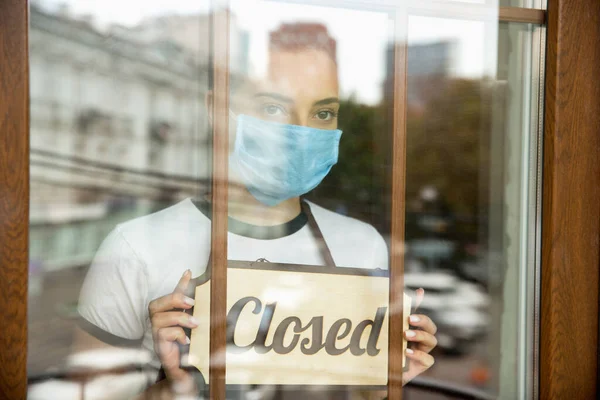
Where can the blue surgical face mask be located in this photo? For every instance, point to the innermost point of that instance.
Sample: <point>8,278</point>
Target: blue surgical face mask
<point>280,161</point>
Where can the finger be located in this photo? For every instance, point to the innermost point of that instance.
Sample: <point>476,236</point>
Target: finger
<point>424,360</point>
<point>169,358</point>
<point>425,341</point>
<point>173,318</point>
<point>183,282</point>
<point>423,322</point>
<point>420,295</point>
<point>173,334</point>
<point>170,302</point>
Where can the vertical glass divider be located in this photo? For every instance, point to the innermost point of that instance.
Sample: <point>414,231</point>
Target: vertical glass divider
<point>398,198</point>
<point>220,113</point>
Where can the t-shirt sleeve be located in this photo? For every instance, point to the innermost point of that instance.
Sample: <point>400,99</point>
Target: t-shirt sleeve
<point>113,299</point>
<point>380,251</point>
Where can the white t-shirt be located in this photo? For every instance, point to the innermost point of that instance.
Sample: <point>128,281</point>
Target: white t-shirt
<point>144,259</point>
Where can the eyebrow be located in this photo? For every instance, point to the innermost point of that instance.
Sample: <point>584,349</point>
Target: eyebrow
<point>277,96</point>
<point>286,99</point>
<point>328,100</point>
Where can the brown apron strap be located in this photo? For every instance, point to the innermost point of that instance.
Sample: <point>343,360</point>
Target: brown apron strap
<point>316,231</point>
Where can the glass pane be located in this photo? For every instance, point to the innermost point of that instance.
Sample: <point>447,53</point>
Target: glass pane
<point>122,115</point>
<point>471,198</point>
<point>118,131</point>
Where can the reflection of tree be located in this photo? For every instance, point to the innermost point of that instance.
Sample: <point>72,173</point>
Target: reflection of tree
<point>444,146</point>
<point>356,184</point>
<point>444,149</point>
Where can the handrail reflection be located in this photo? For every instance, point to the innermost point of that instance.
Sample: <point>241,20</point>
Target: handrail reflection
<point>448,389</point>
<point>85,374</point>
<point>429,385</point>
<point>113,167</point>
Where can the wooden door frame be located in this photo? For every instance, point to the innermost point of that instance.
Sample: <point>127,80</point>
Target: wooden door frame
<point>14,196</point>
<point>571,203</point>
<point>570,281</point>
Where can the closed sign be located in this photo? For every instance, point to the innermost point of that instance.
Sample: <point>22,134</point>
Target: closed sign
<point>299,325</point>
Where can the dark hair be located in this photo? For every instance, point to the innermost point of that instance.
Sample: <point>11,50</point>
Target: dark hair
<point>300,36</point>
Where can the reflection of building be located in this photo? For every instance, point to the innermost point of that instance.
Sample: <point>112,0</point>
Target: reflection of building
<point>428,65</point>
<point>184,30</point>
<point>430,59</point>
<point>111,101</point>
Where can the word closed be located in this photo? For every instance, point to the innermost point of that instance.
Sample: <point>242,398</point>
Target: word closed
<point>309,335</point>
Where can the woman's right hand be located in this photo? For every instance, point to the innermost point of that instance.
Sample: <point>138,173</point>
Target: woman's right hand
<point>168,321</point>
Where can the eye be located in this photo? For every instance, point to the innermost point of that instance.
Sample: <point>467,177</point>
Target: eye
<point>325,115</point>
<point>273,110</point>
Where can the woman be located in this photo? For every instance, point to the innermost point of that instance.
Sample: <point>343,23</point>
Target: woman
<point>284,140</point>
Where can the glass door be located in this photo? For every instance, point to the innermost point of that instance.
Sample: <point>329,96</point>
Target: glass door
<point>344,155</point>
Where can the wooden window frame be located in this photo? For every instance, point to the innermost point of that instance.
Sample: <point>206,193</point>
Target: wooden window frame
<point>14,196</point>
<point>571,203</point>
<point>570,265</point>
<point>218,267</point>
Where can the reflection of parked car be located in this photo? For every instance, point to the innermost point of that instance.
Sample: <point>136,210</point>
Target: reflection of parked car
<point>482,268</point>
<point>433,251</point>
<point>458,308</point>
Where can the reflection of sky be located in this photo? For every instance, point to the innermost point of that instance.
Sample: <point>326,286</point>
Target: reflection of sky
<point>361,35</point>
<point>361,52</point>
<point>129,12</point>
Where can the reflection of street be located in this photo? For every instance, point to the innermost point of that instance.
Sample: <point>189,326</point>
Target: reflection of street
<point>52,320</point>
<point>459,308</point>
<point>459,370</point>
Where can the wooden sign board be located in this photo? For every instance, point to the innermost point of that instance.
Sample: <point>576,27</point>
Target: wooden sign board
<point>299,325</point>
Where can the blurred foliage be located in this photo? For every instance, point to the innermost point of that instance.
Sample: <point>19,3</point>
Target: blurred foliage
<point>446,136</point>
<point>356,184</point>
<point>445,145</point>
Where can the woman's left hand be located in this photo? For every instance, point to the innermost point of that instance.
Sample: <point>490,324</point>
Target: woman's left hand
<point>423,341</point>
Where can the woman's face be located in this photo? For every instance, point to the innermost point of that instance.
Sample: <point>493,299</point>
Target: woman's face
<point>301,88</point>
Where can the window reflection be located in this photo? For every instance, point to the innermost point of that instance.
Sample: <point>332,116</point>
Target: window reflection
<point>115,117</point>
<point>120,129</point>
<point>449,74</point>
